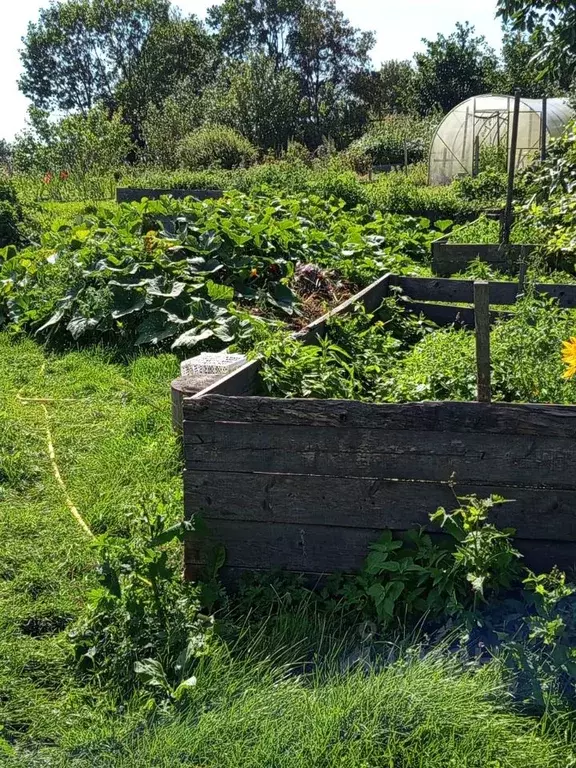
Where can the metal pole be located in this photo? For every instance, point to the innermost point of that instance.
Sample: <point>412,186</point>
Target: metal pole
<point>482,323</point>
<point>476,161</point>
<point>507,224</point>
<point>544,129</point>
<point>406,156</point>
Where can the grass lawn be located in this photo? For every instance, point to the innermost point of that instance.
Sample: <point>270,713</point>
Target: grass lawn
<point>280,693</point>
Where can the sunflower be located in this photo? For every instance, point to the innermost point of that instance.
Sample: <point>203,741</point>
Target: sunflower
<point>569,357</point>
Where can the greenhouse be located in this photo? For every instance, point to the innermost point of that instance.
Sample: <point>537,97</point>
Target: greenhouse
<point>482,125</point>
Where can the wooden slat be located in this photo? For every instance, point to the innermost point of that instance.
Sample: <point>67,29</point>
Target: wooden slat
<point>448,258</point>
<point>324,549</point>
<point>566,294</point>
<point>440,289</point>
<point>366,452</point>
<point>495,418</point>
<point>482,334</point>
<point>443,314</point>
<point>241,381</point>
<point>365,503</point>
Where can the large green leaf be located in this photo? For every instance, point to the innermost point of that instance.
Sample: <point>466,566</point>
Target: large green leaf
<point>79,325</point>
<point>192,337</point>
<point>219,292</point>
<point>161,286</point>
<point>155,328</point>
<point>126,301</point>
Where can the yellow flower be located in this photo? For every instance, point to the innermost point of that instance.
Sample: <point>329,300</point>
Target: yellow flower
<point>569,357</point>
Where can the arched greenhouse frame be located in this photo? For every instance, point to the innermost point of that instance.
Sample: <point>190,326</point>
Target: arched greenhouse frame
<point>483,122</point>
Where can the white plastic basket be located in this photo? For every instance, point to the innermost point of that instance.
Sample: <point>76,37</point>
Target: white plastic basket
<point>211,363</point>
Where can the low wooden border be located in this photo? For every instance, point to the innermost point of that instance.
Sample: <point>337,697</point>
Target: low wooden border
<point>136,194</point>
<point>306,485</point>
<point>450,258</point>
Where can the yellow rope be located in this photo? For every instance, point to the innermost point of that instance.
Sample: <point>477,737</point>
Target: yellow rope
<point>55,470</point>
<point>57,474</point>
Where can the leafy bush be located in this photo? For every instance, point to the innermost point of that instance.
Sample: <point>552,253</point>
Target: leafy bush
<point>11,215</point>
<point>142,609</point>
<point>384,143</point>
<point>82,145</point>
<point>488,187</point>
<point>216,146</point>
<point>397,192</point>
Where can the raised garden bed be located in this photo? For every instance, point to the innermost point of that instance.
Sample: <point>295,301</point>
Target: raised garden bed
<point>136,194</point>
<point>306,485</point>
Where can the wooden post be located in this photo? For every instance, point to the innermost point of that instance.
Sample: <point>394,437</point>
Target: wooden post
<point>507,225</point>
<point>482,323</point>
<point>522,272</point>
<point>544,129</point>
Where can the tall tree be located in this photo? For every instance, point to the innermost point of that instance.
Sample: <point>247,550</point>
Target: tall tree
<point>390,90</point>
<point>257,98</point>
<point>523,69</point>
<point>117,52</point>
<point>327,52</point>
<point>245,27</point>
<point>557,20</point>
<point>311,37</point>
<point>453,68</point>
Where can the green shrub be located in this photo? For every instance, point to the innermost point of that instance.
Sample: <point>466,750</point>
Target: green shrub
<point>296,152</point>
<point>384,144</point>
<point>397,192</point>
<point>11,215</point>
<point>216,146</point>
<point>488,186</point>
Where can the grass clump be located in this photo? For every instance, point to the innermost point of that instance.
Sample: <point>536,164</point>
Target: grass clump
<point>418,711</point>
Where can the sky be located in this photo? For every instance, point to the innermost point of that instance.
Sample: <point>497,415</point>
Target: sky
<point>399,25</point>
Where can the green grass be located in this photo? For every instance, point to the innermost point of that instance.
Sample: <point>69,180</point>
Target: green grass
<point>283,692</point>
<point>110,426</point>
<point>429,712</point>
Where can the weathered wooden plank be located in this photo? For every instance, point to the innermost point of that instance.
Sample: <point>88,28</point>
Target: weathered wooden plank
<point>365,452</point>
<point>443,314</point>
<point>448,258</point>
<point>440,289</point>
<point>241,381</point>
<point>187,386</point>
<point>325,549</point>
<point>494,418</point>
<point>366,503</point>
<point>566,294</point>
<point>135,194</point>
<point>370,297</point>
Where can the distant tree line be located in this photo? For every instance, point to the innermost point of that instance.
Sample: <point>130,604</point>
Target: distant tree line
<point>272,70</point>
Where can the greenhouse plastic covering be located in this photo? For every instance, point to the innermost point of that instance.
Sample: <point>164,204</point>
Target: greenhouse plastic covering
<point>486,121</point>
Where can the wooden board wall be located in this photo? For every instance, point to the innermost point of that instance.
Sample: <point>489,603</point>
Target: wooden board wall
<point>306,485</point>
<point>450,258</point>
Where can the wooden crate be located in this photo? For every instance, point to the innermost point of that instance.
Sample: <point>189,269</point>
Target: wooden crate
<point>306,485</point>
